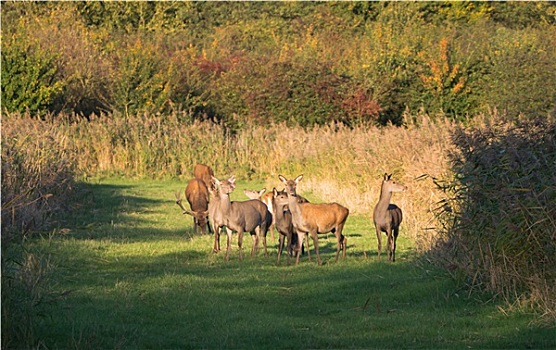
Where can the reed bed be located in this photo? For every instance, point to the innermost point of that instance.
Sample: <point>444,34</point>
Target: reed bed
<point>339,163</point>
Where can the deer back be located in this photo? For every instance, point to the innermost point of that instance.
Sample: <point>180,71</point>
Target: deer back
<point>197,195</point>
<point>247,215</point>
<point>323,216</point>
<point>205,173</point>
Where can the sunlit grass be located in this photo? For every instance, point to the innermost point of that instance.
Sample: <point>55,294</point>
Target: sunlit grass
<point>130,273</point>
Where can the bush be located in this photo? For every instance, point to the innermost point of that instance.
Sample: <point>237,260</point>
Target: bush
<point>500,215</point>
<point>29,77</point>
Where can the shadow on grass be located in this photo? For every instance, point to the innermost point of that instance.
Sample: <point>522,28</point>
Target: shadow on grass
<point>114,211</point>
<point>135,284</point>
<point>180,300</point>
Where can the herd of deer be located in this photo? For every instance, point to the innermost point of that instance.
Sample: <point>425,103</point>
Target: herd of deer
<point>293,216</point>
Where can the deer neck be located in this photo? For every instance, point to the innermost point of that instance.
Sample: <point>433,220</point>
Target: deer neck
<point>279,211</point>
<point>295,209</point>
<point>384,201</point>
<point>225,203</point>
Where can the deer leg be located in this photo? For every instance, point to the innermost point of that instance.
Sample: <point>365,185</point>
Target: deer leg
<point>229,243</point>
<point>263,237</point>
<point>280,247</point>
<point>289,247</point>
<point>396,231</point>
<point>306,238</point>
<point>255,238</point>
<point>389,245</point>
<point>271,228</point>
<point>239,243</point>
<point>300,236</point>
<point>316,243</point>
<point>342,241</point>
<point>379,239</point>
<point>210,230</point>
<point>216,247</point>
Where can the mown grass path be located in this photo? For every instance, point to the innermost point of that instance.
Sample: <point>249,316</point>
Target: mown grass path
<point>127,272</point>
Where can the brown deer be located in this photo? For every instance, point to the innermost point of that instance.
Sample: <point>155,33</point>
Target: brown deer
<point>197,195</point>
<point>205,173</point>
<point>388,217</point>
<point>284,223</point>
<point>311,218</point>
<point>250,216</point>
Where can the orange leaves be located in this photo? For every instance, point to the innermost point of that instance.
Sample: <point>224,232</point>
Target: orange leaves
<point>441,76</point>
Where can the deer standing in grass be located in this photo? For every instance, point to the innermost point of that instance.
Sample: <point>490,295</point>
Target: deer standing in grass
<point>311,218</point>
<point>284,223</point>
<point>267,200</point>
<point>197,195</point>
<point>250,216</point>
<point>388,217</point>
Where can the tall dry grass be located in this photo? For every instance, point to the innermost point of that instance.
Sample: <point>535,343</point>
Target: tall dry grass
<point>38,171</point>
<point>339,163</point>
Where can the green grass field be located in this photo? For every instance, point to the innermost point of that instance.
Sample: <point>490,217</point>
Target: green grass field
<point>126,271</point>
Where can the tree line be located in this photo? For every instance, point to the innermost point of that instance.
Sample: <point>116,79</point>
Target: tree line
<point>302,63</point>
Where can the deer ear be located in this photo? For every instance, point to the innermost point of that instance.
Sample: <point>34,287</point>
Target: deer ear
<point>385,177</point>
<point>274,191</point>
<point>283,179</point>
<point>262,191</point>
<point>215,180</point>
<point>297,179</point>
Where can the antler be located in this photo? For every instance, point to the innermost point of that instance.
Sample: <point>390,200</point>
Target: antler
<point>178,201</point>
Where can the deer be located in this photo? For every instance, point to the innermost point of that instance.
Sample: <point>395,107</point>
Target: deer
<point>216,216</point>
<point>283,222</point>
<point>314,219</point>
<point>267,200</point>
<point>205,173</point>
<point>249,216</point>
<point>387,217</point>
<point>197,195</point>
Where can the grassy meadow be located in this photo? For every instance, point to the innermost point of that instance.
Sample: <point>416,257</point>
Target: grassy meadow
<point>96,254</point>
<point>125,270</point>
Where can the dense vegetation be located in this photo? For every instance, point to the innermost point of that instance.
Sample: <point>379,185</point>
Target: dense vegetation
<point>146,90</point>
<point>299,62</point>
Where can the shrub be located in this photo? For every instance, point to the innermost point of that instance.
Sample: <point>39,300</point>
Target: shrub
<point>500,216</point>
<point>29,77</point>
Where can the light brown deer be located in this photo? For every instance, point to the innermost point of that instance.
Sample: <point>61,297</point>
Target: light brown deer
<point>249,216</point>
<point>216,217</point>
<point>205,173</point>
<point>388,217</point>
<point>197,195</point>
<point>311,218</point>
